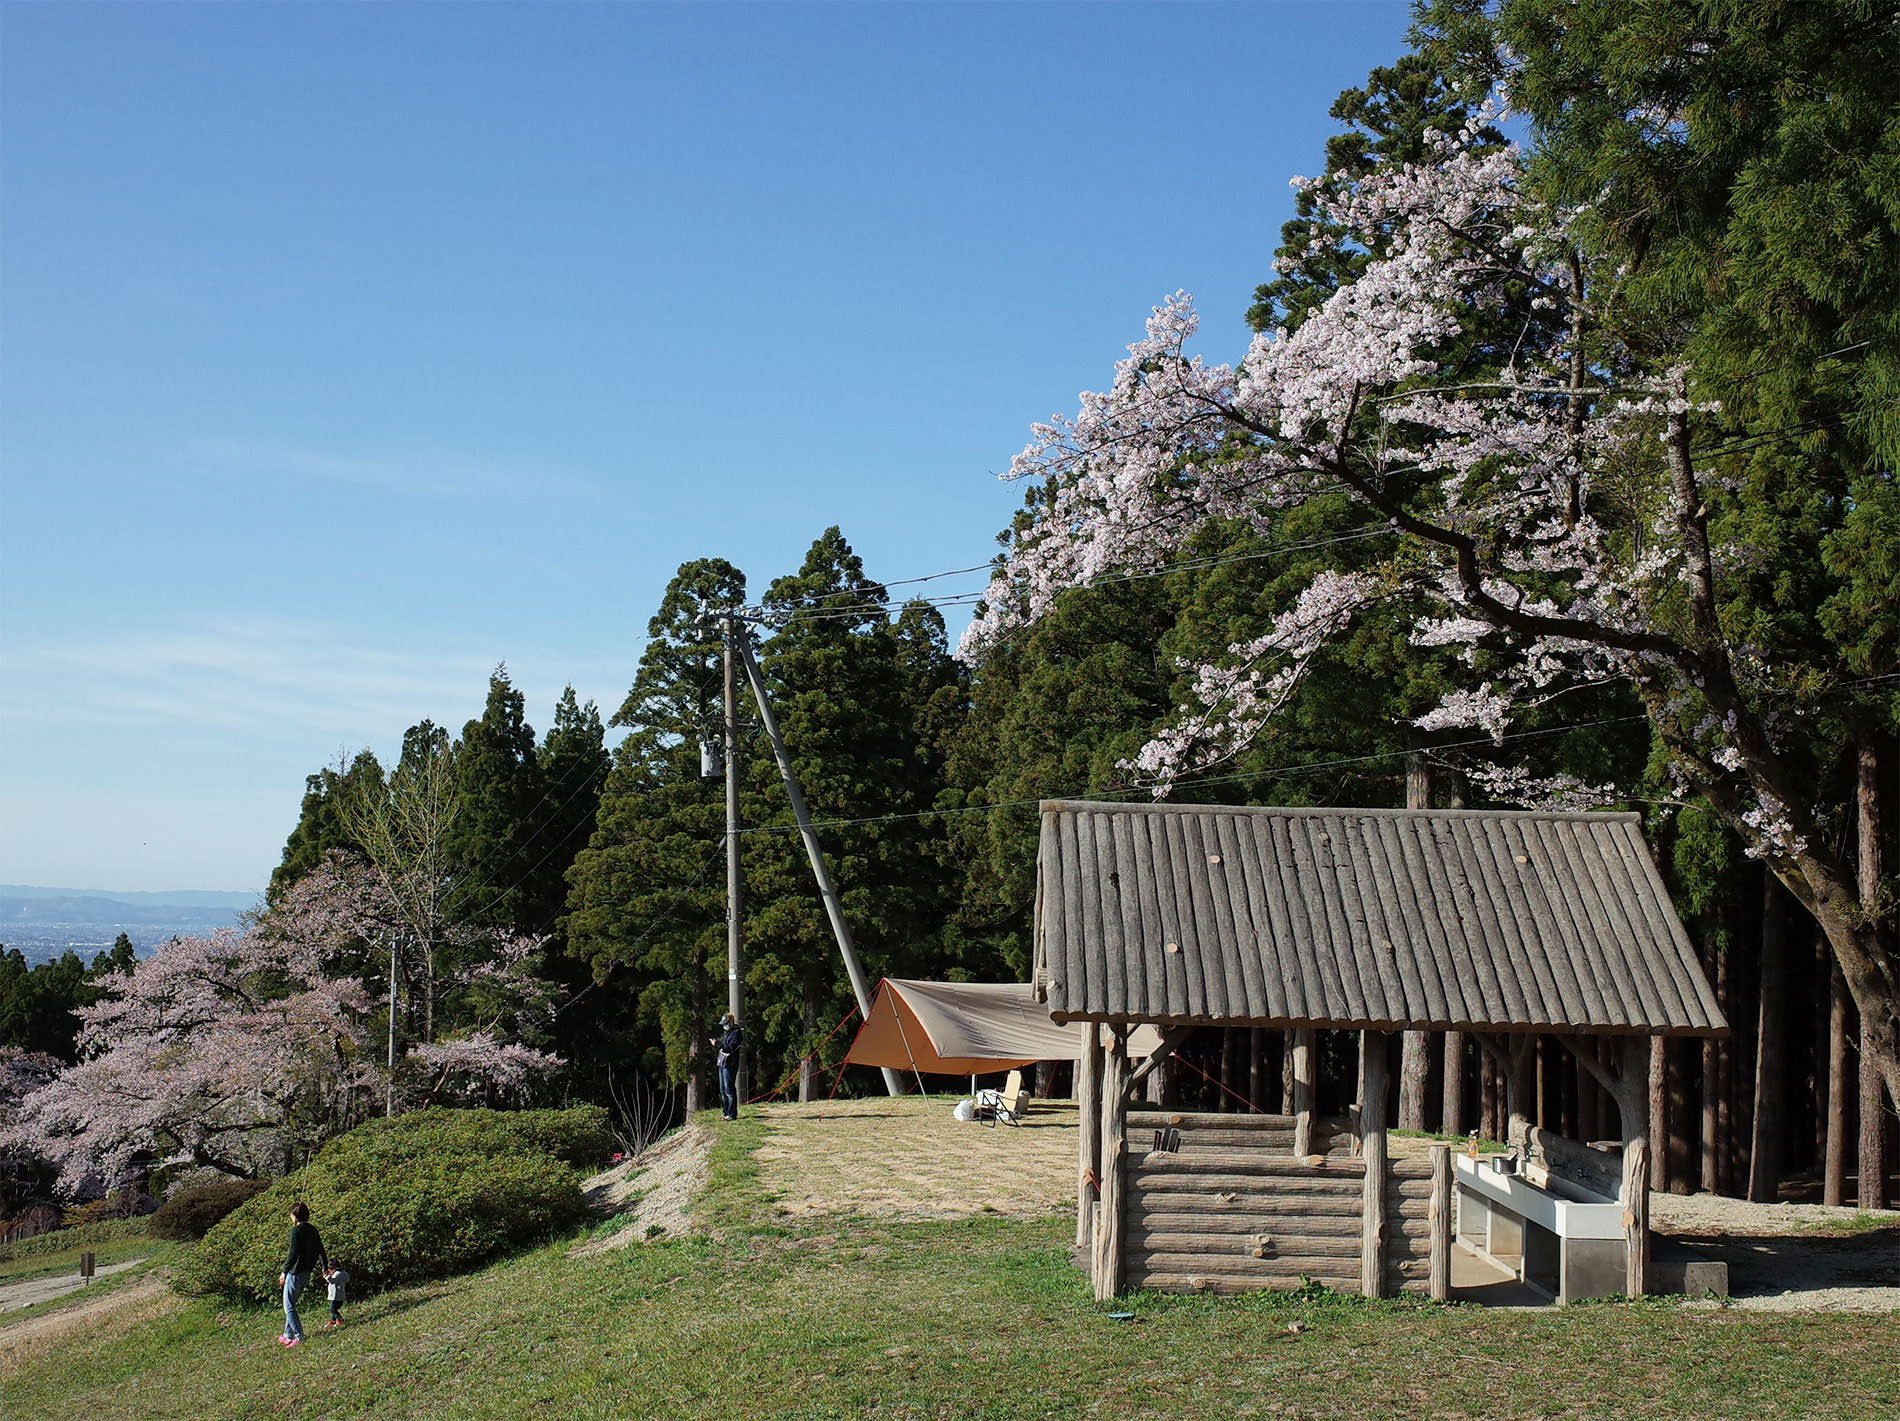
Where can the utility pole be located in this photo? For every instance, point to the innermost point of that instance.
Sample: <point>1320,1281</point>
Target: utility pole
<point>735,880</point>
<point>829,893</point>
<point>395,957</point>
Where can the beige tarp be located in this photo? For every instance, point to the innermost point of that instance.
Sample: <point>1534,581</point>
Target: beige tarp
<point>968,1028</point>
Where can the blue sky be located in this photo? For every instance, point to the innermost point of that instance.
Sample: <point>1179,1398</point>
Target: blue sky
<point>347,350</point>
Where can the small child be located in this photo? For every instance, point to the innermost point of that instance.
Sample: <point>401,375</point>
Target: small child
<point>338,1281</point>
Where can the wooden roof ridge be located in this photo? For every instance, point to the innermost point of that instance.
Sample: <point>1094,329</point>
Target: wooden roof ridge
<point>1347,917</point>
<point>1352,811</point>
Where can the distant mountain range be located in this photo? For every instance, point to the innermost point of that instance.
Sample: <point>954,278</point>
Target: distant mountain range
<point>44,922</point>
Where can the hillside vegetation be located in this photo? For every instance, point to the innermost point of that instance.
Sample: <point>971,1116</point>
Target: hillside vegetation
<point>810,1316</point>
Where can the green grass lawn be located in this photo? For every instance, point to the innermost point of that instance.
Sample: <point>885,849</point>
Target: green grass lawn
<point>66,1260</point>
<point>983,1318</point>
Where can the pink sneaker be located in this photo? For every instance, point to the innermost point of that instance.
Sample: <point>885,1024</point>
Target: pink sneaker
<point>283,1340</point>
<point>293,1341</point>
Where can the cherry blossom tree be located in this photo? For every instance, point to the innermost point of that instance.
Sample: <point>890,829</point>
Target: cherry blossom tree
<point>243,1051</point>
<point>1551,507</point>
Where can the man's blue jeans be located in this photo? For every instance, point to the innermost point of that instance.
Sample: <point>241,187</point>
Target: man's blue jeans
<point>293,1285</point>
<point>729,1090</point>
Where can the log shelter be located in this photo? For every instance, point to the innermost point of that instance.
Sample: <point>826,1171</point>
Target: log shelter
<point>1504,925</point>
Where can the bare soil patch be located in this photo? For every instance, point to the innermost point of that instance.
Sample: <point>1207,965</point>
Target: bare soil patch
<point>911,1159</point>
<point>654,1191</point>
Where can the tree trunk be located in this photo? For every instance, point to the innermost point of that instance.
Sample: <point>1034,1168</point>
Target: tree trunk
<point>1288,1043</point>
<point>1256,1042</point>
<point>1681,1169</point>
<point>808,1067</point>
<point>1834,1166</point>
<point>1725,1080</point>
<point>1764,1145</point>
<point>1872,1182</point>
<point>1451,1108</point>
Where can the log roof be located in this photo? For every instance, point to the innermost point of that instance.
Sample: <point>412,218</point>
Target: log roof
<point>1388,919</point>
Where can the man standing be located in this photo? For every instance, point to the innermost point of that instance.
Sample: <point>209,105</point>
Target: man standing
<point>727,1045</point>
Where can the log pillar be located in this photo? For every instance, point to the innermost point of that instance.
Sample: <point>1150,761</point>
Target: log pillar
<point>1302,1094</point>
<point>1106,1252</point>
<point>1372,1055</point>
<point>1088,1110</point>
<point>1440,1222</point>
<point>1633,1099</point>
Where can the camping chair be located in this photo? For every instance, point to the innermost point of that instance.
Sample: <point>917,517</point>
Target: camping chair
<point>1009,1104</point>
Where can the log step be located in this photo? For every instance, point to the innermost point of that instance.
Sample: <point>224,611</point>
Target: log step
<point>1202,1283</point>
<point>1344,1173</point>
<point>1277,1225</point>
<point>1238,1246</point>
<point>1211,1265</point>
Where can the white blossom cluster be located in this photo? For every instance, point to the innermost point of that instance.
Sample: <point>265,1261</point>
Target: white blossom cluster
<point>1498,482</point>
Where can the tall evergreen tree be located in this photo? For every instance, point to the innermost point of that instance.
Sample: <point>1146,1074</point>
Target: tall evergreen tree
<point>646,908</point>
<point>321,823</point>
<point>500,811</point>
<point>855,696</point>
<point>573,764</point>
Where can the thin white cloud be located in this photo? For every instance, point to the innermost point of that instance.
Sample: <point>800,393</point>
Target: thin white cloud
<point>422,474</point>
<point>268,678</point>
<point>236,675</point>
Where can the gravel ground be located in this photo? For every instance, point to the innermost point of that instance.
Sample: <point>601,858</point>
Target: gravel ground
<point>1790,1257</point>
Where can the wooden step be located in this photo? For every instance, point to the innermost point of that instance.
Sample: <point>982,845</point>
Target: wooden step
<point>1278,1225</point>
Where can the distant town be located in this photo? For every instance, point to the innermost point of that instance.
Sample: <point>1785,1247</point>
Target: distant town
<point>45,922</point>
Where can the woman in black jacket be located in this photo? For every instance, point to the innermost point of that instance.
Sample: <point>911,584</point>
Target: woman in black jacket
<point>305,1256</point>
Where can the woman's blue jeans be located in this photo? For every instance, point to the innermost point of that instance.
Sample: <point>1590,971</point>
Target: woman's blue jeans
<point>293,1285</point>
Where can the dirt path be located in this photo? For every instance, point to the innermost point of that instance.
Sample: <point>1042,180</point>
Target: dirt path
<point>40,1290</point>
<point>114,1310</point>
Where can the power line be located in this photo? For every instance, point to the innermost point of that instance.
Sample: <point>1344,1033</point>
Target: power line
<point>1280,773</point>
<point>867,608</point>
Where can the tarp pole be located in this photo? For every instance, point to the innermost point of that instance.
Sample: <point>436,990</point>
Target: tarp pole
<point>893,1083</point>
<point>897,1013</point>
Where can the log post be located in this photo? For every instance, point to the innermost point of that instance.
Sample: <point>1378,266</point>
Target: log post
<point>1088,1110</point>
<point>1636,1216</point>
<point>1440,1220</point>
<point>1372,1054</point>
<point>1633,1099</point>
<point>1657,1081</point>
<point>1107,1271</point>
<point>1302,1101</point>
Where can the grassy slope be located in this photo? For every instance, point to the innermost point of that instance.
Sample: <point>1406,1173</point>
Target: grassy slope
<point>983,1318</point>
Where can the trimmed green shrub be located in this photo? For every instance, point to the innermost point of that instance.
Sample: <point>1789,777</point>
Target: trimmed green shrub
<point>85,1236</point>
<point>578,1135</point>
<point>190,1212</point>
<point>404,1200</point>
